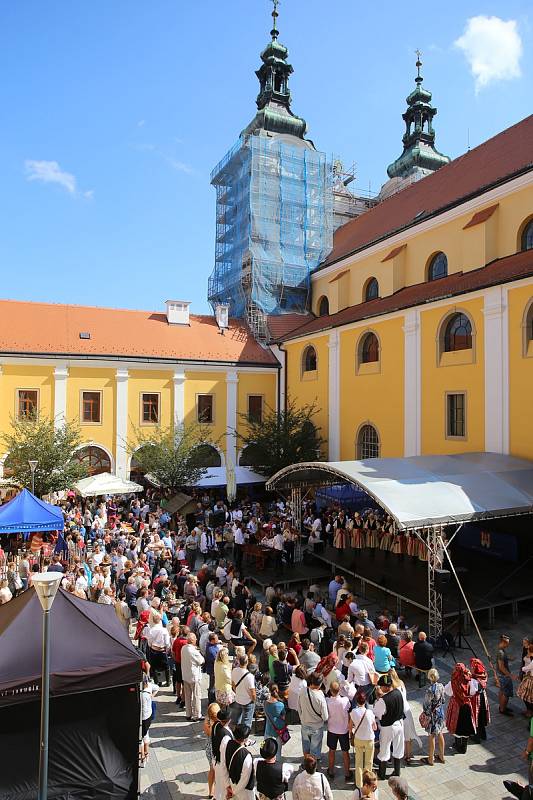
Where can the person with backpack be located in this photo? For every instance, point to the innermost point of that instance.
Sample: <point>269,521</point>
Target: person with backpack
<point>310,784</point>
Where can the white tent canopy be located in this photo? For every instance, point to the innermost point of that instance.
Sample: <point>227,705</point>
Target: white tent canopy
<point>427,490</point>
<point>217,476</point>
<point>105,483</point>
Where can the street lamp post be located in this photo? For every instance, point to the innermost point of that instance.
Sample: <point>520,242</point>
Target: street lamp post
<point>46,585</point>
<point>33,466</point>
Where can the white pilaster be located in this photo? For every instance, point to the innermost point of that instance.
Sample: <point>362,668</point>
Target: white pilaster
<point>179,398</point>
<point>495,321</point>
<point>60,395</point>
<point>281,355</point>
<point>121,452</point>
<point>412,384</point>
<point>232,381</point>
<point>334,439</point>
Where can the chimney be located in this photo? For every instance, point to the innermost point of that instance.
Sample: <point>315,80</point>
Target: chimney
<point>222,316</point>
<point>177,312</point>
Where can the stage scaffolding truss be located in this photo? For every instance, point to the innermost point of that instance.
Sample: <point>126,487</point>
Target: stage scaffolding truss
<point>430,496</point>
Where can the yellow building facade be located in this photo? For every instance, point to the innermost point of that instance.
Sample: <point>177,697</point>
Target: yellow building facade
<point>129,374</point>
<point>422,337</point>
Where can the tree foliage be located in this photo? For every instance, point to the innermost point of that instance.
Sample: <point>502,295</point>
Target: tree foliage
<point>171,454</point>
<point>282,438</point>
<point>52,447</point>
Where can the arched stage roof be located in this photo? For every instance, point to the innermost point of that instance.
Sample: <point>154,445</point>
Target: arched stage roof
<point>427,490</point>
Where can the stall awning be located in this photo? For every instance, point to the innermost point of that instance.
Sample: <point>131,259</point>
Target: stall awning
<point>105,483</point>
<point>427,490</point>
<point>216,476</point>
<point>25,513</point>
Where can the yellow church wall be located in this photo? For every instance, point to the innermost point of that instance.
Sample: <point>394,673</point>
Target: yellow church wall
<point>32,376</point>
<point>255,383</point>
<point>465,249</point>
<point>453,376</point>
<point>306,388</point>
<point>213,383</point>
<point>520,374</point>
<point>149,382</point>
<point>372,395</point>
<point>102,380</point>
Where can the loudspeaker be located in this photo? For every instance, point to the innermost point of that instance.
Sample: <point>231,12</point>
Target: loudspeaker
<point>443,579</point>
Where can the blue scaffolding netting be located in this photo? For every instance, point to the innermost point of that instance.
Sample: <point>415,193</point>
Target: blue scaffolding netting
<point>274,225</point>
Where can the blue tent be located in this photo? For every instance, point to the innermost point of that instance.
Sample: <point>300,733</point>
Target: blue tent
<point>26,513</point>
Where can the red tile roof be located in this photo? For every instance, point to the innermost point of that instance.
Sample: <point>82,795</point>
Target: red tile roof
<point>514,267</point>
<point>280,325</point>
<point>53,329</point>
<point>496,160</point>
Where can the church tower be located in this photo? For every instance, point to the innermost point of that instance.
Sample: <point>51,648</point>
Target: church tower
<point>274,207</point>
<point>420,156</point>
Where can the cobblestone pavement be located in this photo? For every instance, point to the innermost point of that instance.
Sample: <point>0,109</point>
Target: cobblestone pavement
<point>177,767</point>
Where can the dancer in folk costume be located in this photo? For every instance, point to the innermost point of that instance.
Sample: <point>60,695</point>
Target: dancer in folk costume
<point>340,536</point>
<point>371,531</point>
<point>525,690</point>
<point>398,541</point>
<point>480,700</point>
<point>460,719</point>
<point>356,533</point>
<point>422,551</point>
<point>387,536</point>
<point>412,544</point>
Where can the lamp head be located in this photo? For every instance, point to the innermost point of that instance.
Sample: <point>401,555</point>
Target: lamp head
<point>46,585</point>
<point>33,464</point>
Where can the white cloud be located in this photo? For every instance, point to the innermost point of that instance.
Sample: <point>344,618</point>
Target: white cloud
<point>493,48</point>
<point>50,172</point>
<point>180,166</point>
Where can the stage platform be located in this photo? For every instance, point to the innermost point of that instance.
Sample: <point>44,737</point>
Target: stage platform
<point>291,578</point>
<point>400,584</point>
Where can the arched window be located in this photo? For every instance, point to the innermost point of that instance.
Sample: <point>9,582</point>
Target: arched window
<point>527,327</point>
<point>527,236</point>
<point>309,359</point>
<point>323,307</point>
<point>251,456</point>
<point>371,289</point>
<point>438,267</point>
<point>205,455</point>
<point>369,349</point>
<point>458,333</point>
<point>367,442</point>
<point>94,459</point>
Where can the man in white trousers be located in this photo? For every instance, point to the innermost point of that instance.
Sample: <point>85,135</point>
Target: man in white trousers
<point>191,671</point>
<point>389,711</point>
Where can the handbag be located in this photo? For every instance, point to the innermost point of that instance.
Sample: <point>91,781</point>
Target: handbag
<point>283,733</point>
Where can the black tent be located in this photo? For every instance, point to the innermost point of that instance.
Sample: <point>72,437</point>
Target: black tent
<point>94,701</point>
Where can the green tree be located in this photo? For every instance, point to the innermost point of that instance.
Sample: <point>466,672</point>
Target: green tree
<point>52,447</point>
<point>174,456</point>
<point>281,438</point>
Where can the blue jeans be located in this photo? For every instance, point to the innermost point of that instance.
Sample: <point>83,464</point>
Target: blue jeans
<point>312,740</point>
<point>243,715</point>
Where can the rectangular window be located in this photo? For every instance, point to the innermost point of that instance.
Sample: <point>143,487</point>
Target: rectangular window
<point>205,408</point>
<point>255,408</point>
<point>27,403</point>
<point>149,409</point>
<point>91,407</point>
<point>456,415</point>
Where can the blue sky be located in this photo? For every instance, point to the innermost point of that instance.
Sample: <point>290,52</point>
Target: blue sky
<point>114,113</point>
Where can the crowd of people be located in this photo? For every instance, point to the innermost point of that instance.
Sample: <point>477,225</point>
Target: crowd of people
<point>314,659</point>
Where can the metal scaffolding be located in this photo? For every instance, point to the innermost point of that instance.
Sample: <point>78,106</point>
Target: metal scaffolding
<point>274,225</point>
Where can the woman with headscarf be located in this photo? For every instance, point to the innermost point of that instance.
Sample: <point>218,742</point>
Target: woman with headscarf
<point>460,719</point>
<point>480,700</point>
